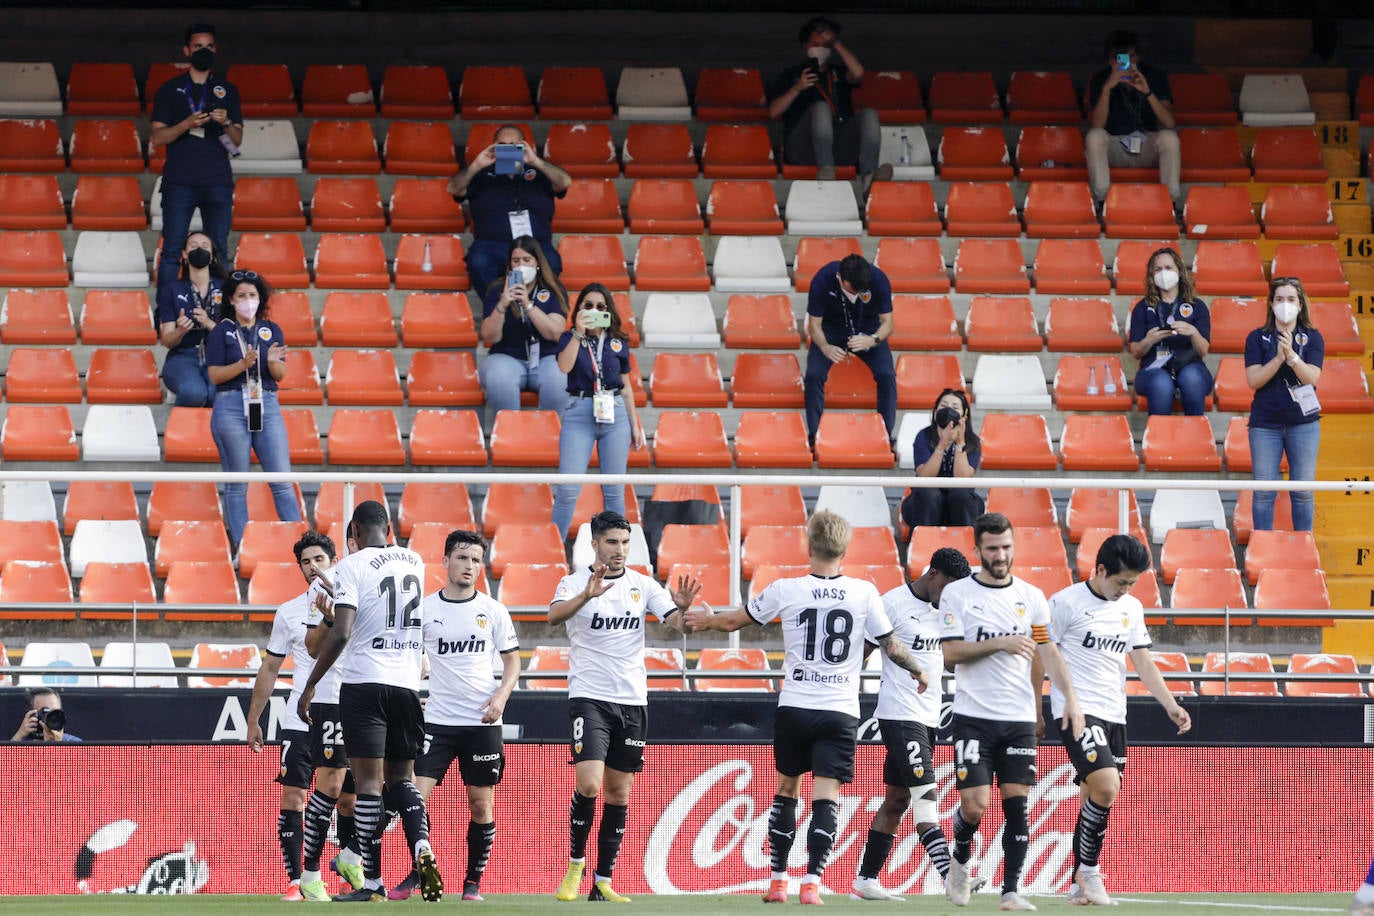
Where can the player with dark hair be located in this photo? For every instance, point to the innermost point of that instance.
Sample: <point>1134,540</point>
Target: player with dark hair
<point>995,635</point>
<point>1095,624</point>
<point>908,719</point>
<point>377,592</point>
<point>603,608</point>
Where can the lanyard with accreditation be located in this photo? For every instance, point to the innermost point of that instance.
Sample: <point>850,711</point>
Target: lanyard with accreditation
<point>603,401</point>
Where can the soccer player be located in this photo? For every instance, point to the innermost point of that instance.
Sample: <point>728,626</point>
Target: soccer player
<point>825,617</point>
<point>377,593</point>
<point>1363,902</point>
<point>316,749</point>
<point>908,719</point>
<point>1095,624</point>
<point>603,608</point>
<point>466,632</point>
<point>993,628</point>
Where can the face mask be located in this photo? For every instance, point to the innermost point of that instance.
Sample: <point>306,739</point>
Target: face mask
<point>1286,312</point>
<point>1166,279</point>
<point>819,54</point>
<point>247,309</point>
<point>198,258</point>
<point>524,274</point>
<point>203,59</point>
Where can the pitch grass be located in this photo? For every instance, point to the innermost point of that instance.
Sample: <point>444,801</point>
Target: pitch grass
<point>1131,904</point>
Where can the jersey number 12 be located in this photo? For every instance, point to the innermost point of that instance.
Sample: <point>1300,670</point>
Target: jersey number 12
<point>410,593</point>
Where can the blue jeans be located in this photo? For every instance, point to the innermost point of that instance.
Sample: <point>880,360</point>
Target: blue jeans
<point>1194,383</point>
<point>179,202</point>
<point>503,377</point>
<point>580,433</point>
<point>879,362</point>
<point>229,426</point>
<point>486,259</point>
<point>1267,448</point>
<point>818,139</point>
<point>186,378</point>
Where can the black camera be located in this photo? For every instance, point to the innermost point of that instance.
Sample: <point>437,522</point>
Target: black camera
<point>54,719</point>
<point>946,416</point>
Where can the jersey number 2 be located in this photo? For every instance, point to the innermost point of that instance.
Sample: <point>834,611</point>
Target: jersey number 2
<point>838,626</point>
<point>410,593</point>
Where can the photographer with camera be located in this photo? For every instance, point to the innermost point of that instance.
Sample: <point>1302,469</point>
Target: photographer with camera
<point>45,720</point>
<point>197,118</point>
<point>945,448</point>
<point>510,192</point>
<point>1131,112</point>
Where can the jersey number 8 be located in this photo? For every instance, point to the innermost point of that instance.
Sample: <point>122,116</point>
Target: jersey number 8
<point>838,627</point>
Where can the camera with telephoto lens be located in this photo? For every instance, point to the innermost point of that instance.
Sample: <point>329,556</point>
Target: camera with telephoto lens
<point>946,416</point>
<point>55,719</point>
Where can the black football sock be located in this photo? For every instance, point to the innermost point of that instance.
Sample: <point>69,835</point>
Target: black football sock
<point>346,830</point>
<point>782,831</point>
<point>1015,842</point>
<point>481,838</point>
<point>937,848</point>
<point>580,814</point>
<point>406,799</point>
<point>820,839</point>
<point>876,851</point>
<point>368,814</point>
<point>608,838</point>
<point>963,837</point>
<point>289,829</point>
<point>1092,828</point>
<point>318,812</point>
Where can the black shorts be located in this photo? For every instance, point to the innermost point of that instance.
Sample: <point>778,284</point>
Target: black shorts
<point>611,732</point>
<point>909,761</point>
<point>1103,745</point>
<point>984,748</point>
<point>296,770</point>
<point>381,721</point>
<point>816,741</point>
<point>477,748</point>
<point>327,736</point>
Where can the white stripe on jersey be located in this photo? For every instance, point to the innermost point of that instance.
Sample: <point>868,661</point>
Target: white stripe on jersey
<point>824,622</point>
<point>327,688</point>
<point>288,638</point>
<point>916,624</point>
<point>996,686</point>
<point>465,641</point>
<point>386,586</point>
<point>606,636</point>
<point>1094,635</point>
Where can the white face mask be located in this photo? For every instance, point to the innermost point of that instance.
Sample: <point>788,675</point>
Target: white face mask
<point>1166,279</point>
<point>819,54</point>
<point>247,309</point>
<point>1286,312</point>
<point>524,274</point>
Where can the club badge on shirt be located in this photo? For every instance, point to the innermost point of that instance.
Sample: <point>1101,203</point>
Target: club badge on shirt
<point>1020,609</point>
<point>541,296</point>
<point>616,346</point>
<point>264,334</point>
<point>1185,310</point>
<point>220,92</point>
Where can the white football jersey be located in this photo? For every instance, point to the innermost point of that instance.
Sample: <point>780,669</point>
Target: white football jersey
<point>1094,635</point>
<point>288,638</point>
<point>825,620</point>
<point>464,640</point>
<point>996,686</point>
<point>916,624</point>
<point>327,690</point>
<point>606,636</point>
<point>386,586</point>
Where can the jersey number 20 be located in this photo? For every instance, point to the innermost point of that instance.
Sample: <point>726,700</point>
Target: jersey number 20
<point>834,631</point>
<point>408,592</point>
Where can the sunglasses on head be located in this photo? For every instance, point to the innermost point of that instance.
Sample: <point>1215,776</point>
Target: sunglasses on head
<point>598,306</point>
<point>1286,281</point>
<point>239,275</point>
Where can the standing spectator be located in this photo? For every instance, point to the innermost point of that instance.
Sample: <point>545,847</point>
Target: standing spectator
<point>1283,363</point>
<point>595,356</point>
<point>187,308</point>
<point>247,417</point>
<point>813,101</point>
<point>506,207</point>
<point>197,118</point>
<point>849,312</point>
<point>1131,112</point>
<point>1170,334</point>
<point>945,448</point>
<point>522,318</point>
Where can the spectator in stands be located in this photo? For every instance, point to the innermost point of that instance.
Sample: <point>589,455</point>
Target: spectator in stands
<point>1283,363</point>
<point>246,358</point>
<point>1171,331</point>
<point>45,719</point>
<point>1131,113</point>
<point>522,317</point>
<point>506,207</point>
<point>187,308</point>
<point>849,313</point>
<point>595,356</point>
<point>813,101</point>
<point>945,448</point>
<point>197,118</point>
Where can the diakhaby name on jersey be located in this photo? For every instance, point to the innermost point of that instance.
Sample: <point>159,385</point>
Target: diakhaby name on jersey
<point>388,556</point>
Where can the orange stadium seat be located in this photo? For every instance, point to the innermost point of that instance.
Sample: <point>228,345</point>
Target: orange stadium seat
<point>593,259</point>
<point>1041,547</point>
<point>1229,269</point>
<point>924,323</point>
<point>990,266</point>
<point>1304,663</point>
<point>1300,211</point>
<point>105,146</point>
<point>302,436</point>
<point>545,659</point>
<point>416,92</point>
<point>1232,321</point>
<point>1292,590</point>
<point>1211,154</point>
<point>274,583</point>
<point>1318,264</point>
<point>278,256</point>
<point>514,542</point>
<point>744,660</point>
<point>1239,663</point>
<point>1049,579</point>
<point>738,151</point>
<point>161,72</point>
<point>1267,550</point>
<point>872,546</point>
<point>1098,443</point>
<point>117,583</point>
<point>1002,324</point>
<point>1139,211</point>
<point>337,91</point>
<point>437,320</point>
<point>1040,97</point>
<point>1146,591</point>
<point>730,94</point>
<point>182,501</point>
<point>515,503</point>
<point>31,145</point>
<point>921,378</point>
<point>1070,266</point>
<point>687,380</point>
<point>894,94</point>
<point>1243,518</point>
<point>1082,325</point>
<point>705,544</point>
<point>902,208</point>
<point>264,203</point>
<point>525,438</point>
<point>1224,213</point>
<point>37,316</point>
<point>771,440</point>
<point>357,320</point>
<point>189,541</point>
<point>347,205</point>
<point>770,505</point>
<point>447,269</point>
<point>446,438</point>
<point>912,265</point>
<point>329,502</point>
<point>262,505</point>
<point>850,385</point>
<point>32,541</point>
<point>265,90</point>
<point>659,151</point>
<point>483,134</point>
<point>102,89</point>
<point>772,545</point>
<point>1233,393</point>
<point>1167,662</point>
<point>974,154</point>
<point>107,202</point>
<point>434,502</point>
<point>1045,153</point>
<point>981,208</point>
<point>589,502</point>
<point>34,202</point>
<point>765,380</point>
<point>926,539</point>
<point>1016,442</point>
<point>1180,444</point>
<point>1336,321</point>
<point>424,205</point>
<point>1287,154</point>
<point>1060,209</point>
<point>1091,543</point>
<point>360,437</point>
<point>665,206</point>
<point>573,94</point>
<point>1344,388</point>
<point>46,376</point>
<point>1202,98</point>
<point>1072,378</point>
<point>583,150</point>
<point>102,500</point>
<point>187,437</point>
<point>813,253</point>
<point>659,658</point>
<point>264,541</point>
<point>669,263</point>
<point>531,585</point>
<point>111,316</point>
<point>591,205</point>
<point>351,261</point>
<point>1095,508</point>
<point>964,98</point>
<point>495,93</point>
<point>1207,548</point>
<point>1201,588</point>
<point>743,207</point>
<point>1128,265</point>
<point>1029,507</point>
<point>853,440</point>
<point>366,377</point>
<point>419,148</point>
<point>301,384</point>
<point>342,148</point>
<point>443,379</point>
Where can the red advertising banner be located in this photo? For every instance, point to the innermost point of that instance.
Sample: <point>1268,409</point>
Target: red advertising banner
<point>202,819</point>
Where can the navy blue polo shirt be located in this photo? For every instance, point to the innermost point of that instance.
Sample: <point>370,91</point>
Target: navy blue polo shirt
<point>615,363</point>
<point>492,197</point>
<point>833,88</point>
<point>198,161</point>
<point>923,449</point>
<point>222,348</point>
<point>516,332</point>
<point>178,297</point>
<point>1128,109</point>
<point>1273,407</point>
<point>1146,317</point>
<point>841,319</point>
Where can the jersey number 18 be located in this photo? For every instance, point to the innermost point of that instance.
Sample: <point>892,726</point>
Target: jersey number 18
<point>835,632</point>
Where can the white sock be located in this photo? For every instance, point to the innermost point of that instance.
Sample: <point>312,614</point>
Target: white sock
<point>811,879</point>
<point>1087,869</point>
<point>1365,894</point>
<point>374,884</point>
<point>349,857</point>
<point>308,876</point>
<point>779,876</point>
<point>423,846</point>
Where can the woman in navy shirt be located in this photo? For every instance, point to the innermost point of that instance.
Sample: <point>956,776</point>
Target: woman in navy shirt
<point>1283,363</point>
<point>245,355</point>
<point>948,449</point>
<point>1170,331</point>
<point>601,404</point>
<point>187,308</point>
<point>523,315</point>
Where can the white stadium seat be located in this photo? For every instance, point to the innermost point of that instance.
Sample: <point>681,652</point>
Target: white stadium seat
<point>652,94</point>
<point>27,501</point>
<point>29,90</point>
<point>155,211</point>
<point>147,654</point>
<point>1015,383</point>
<point>750,264</point>
<point>919,166</point>
<point>57,654</point>
<point>862,507</point>
<point>106,541</point>
<point>683,320</point>
<point>119,432</point>
<point>911,423</point>
<point>1275,100</point>
<point>1172,509</point>
<point>109,259</point>
<point>822,208</point>
<point>268,148</point>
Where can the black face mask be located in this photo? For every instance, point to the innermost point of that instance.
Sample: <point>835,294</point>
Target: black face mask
<point>203,59</point>
<point>198,258</point>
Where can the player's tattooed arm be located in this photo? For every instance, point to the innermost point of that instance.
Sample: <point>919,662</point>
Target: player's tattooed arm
<point>902,657</point>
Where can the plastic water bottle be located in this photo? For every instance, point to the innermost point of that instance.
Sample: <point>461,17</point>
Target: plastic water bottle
<point>427,265</point>
<point>905,158</point>
<point>1108,379</point>
<point>1092,380</point>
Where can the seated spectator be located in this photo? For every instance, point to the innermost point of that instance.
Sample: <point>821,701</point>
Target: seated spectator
<point>187,308</point>
<point>1170,333</point>
<point>523,315</point>
<point>1283,363</point>
<point>813,100</point>
<point>1131,113</point>
<point>945,448</point>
